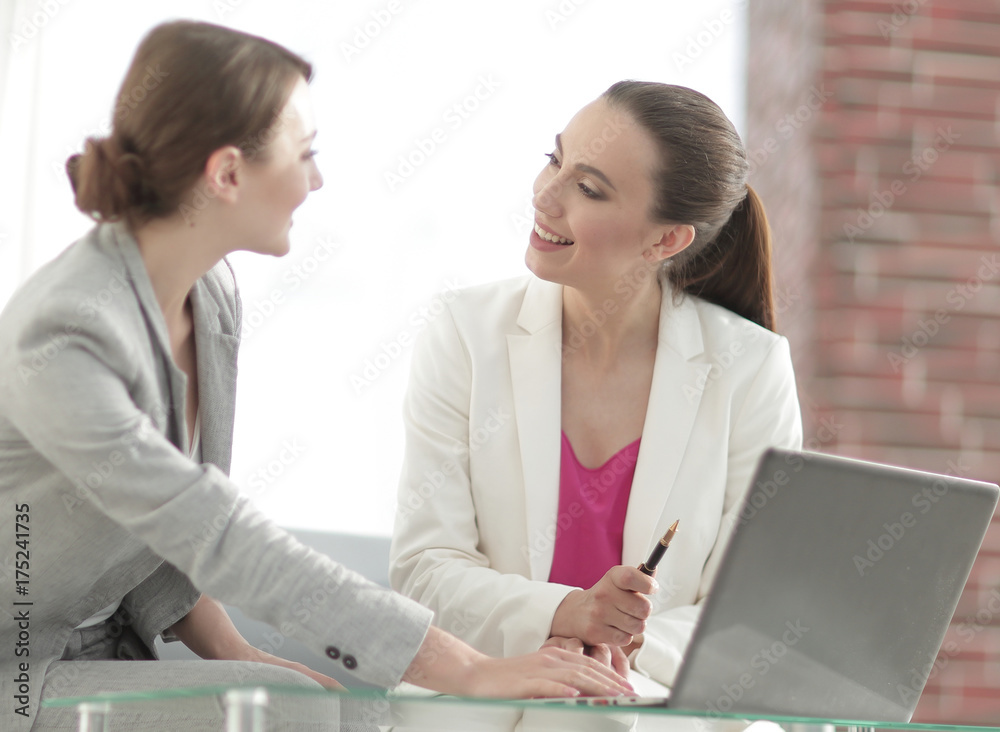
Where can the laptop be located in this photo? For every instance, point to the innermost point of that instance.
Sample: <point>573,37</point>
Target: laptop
<point>835,590</point>
<point>834,593</point>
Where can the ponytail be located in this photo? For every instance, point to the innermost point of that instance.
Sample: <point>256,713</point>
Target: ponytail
<point>701,181</point>
<point>734,270</point>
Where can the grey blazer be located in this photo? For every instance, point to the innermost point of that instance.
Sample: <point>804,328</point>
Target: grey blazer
<point>105,505</point>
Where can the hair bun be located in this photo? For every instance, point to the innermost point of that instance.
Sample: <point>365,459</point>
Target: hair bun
<point>130,168</point>
<point>107,181</point>
<point>73,169</point>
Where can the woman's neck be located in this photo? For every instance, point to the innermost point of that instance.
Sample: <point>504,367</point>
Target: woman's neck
<point>176,256</point>
<point>599,325</point>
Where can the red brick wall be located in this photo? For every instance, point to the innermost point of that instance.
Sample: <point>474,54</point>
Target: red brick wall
<point>904,308</point>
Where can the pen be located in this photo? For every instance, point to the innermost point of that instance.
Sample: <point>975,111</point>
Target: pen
<point>649,566</point>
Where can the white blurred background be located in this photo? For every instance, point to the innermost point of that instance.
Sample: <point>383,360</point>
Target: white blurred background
<point>319,438</point>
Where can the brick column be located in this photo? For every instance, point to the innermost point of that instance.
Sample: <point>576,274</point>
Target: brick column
<point>784,100</point>
<point>904,319</point>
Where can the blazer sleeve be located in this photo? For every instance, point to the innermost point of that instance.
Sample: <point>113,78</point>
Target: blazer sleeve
<point>769,416</point>
<point>435,556</point>
<point>77,413</point>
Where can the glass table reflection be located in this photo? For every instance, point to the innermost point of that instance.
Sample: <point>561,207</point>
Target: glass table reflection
<point>251,709</point>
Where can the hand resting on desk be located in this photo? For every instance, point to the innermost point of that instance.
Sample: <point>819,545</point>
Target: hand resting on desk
<point>611,656</point>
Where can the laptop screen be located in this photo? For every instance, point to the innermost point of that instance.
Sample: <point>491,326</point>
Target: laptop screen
<point>835,590</point>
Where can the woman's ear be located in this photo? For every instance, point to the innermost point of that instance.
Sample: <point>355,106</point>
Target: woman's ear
<point>674,239</point>
<point>223,173</point>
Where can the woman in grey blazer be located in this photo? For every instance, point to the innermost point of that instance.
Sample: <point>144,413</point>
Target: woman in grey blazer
<point>117,387</point>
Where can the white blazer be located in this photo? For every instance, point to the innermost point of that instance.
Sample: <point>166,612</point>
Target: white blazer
<point>479,493</point>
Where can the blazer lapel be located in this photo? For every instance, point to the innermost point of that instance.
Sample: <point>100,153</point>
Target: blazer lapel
<point>536,378</point>
<point>216,353</point>
<point>172,420</point>
<point>673,404</point>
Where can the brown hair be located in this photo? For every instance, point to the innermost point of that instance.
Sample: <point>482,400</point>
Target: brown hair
<point>701,181</point>
<point>191,89</point>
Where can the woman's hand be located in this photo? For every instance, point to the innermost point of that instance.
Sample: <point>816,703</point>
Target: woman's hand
<point>446,664</point>
<point>549,671</point>
<point>259,656</point>
<point>611,612</point>
<point>209,631</point>
<point>611,656</point>
<point>635,645</point>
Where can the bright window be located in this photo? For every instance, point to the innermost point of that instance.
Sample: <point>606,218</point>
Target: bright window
<point>433,116</point>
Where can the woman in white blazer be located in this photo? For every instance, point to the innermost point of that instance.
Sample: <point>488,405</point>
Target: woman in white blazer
<point>648,317</point>
<point>117,393</point>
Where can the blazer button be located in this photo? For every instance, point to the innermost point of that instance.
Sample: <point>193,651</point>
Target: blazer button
<point>350,662</point>
<point>333,652</point>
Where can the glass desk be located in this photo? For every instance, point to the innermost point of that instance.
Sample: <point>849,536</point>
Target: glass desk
<point>250,709</point>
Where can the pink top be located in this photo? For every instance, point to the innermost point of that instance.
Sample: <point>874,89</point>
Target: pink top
<point>591,518</point>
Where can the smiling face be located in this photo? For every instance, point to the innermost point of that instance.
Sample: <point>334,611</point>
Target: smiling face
<point>278,182</point>
<point>593,201</point>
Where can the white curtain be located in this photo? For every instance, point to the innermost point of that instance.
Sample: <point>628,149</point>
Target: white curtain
<point>22,37</point>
